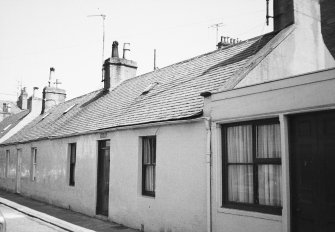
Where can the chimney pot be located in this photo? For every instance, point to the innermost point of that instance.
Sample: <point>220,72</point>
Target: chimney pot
<point>116,69</point>
<point>51,76</point>
<point>9,108</point>
<point>34,91</point>
<point>52,95</point>
<point>126,50</point>
<point>115,49</point>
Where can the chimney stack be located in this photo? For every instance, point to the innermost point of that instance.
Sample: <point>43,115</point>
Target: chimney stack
<point>115,49</point>
<point>34,102</point>
<point>9,108</point>
<point>34,91</point>
<point>117,70</point>
<point>22,101</point>
<point>226,41</point>
<point>52,95</point>
<point>304,13</point>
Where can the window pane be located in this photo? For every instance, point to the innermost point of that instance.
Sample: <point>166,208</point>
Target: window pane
<point>239,144</point>
<point>149,178</point>
<point>73,153</point>
<point>146,151</point>
<point>268,141</point>
<point>240,183</point>
<point>269,185</point>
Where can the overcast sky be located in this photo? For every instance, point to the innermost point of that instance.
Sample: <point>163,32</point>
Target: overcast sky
<point>38,34</point>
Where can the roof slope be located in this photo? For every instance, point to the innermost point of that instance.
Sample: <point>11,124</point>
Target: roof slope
<point>175,95</point>
<point>48,123</point>
<point>14,108</point>
<point>11,121</point>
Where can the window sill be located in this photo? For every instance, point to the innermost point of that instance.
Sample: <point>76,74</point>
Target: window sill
<point>253,214</point>
<point>148,196</point>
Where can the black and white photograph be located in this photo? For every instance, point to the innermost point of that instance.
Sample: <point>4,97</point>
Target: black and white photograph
<point>167,116</point>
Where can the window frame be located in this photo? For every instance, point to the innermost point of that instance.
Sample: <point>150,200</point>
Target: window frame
<point>33,163</point>
<point>145,192</point>
<point>7,163</point>
<point>72,166</point>
<point>276,210</point>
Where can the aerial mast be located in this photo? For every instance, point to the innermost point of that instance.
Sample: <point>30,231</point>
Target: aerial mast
<point>216,26</point>
<point>103,17</point>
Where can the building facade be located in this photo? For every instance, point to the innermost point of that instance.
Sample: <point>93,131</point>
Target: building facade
<point>213,143</point>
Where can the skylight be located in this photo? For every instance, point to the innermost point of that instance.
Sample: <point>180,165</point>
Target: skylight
<point>149,88</point>
<point>7,127</point>
<point>45,116</point>
<point>67,110</point>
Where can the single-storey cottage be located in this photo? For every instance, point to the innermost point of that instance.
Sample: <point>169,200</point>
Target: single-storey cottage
<point>200,145</point>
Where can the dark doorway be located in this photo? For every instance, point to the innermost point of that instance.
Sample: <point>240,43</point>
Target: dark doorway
<point>312,152</point>
<point>103,177</point>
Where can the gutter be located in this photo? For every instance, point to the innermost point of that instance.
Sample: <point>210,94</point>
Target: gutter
<point>207,121</point>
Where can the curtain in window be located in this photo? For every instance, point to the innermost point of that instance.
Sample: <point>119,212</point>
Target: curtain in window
<point>149,178</point>
<point>269,185</point>
<point>268,141</point>
<point>240,169</point>
<point>269,176</point>
<point>149,164</point>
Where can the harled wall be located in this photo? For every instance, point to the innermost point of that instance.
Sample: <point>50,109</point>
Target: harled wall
<point>180,202</point>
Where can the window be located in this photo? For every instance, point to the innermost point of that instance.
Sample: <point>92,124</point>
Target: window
<point>252,166</point>
<point>34,163</point>
<point>148,165</point>
<point>7,163</point>
<point>72,158</point>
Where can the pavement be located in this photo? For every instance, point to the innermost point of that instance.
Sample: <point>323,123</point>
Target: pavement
<point>64,219</point>
<point>19,222</point>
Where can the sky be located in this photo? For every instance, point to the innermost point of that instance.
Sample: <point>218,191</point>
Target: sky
<point>38,34</point>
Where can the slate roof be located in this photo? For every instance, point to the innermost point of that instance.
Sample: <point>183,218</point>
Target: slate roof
<point>175,95</point>
<point>14,108</point>
<point>11,121</point>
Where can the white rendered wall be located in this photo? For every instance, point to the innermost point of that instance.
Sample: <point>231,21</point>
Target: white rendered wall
<point>180,201</point>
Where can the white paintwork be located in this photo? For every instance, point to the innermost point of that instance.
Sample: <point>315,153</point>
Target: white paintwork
<point>180,202</point>
<point>280,98</point>
<point>302,51</point>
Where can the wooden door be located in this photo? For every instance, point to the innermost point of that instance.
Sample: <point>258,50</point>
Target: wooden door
<point>103,177</point>
<point>312,151</point>
<point>18,171</point>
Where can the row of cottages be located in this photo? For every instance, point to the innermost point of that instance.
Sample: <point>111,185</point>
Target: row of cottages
<point>238,139</point>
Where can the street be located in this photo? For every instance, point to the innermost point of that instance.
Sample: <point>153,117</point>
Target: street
<point>19,222</point>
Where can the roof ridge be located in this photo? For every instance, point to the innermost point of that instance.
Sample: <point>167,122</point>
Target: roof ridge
<point>199,56</point>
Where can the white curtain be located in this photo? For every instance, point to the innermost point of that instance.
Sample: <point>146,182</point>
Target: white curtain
<point>150,178</point>
<point>268,141</point>
<point>149,164</point>
<point>269,185</point>
<point>269,176</point>
<point>240,176</point>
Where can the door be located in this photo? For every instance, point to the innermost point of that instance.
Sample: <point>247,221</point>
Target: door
<point>103,177</point>
<point>312,152</point>
<point>18,171</point>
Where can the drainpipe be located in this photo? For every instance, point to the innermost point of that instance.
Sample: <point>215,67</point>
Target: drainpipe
<point>208,171</point>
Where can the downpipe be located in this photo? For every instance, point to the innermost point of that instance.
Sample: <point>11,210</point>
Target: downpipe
<point>207,121</point>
